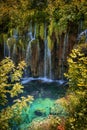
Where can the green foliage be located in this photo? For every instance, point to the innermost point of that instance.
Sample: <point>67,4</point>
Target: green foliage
<point>8,71</point>
<point>50,31</point>
<point>77,96</point>
<point>42,31</point>
<point>62,13</point>
<point>9,84</point>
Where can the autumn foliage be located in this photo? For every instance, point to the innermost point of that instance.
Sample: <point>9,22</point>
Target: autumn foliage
<point>77,93</point>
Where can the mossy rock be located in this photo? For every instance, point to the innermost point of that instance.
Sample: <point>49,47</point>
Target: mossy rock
<point>49,123</point>
<point>58,110</point>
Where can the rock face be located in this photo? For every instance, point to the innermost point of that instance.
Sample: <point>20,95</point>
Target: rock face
<point>42,61</point>
<point>60,53</point>
<point>54,64</point>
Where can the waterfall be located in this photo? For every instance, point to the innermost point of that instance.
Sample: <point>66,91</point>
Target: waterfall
<point>64,53</point>
<point>10,44</point>
<point>47,57</point>
<point>14,52</point>
<point>50,64</point>
<point>8,47</point>
<point>28,53</point>
<point>34,30</point>
<point>45,53</point>
<point>81,32</point>
<point>33,50</point>
<point>6,50</point>
<point>84,33</point>
<point>29,50</point>
<point>15,34</point>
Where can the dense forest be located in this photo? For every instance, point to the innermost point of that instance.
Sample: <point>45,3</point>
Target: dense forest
<point>43,38</point>
<point>59,23</point>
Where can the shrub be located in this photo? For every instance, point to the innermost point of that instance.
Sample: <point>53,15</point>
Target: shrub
<point>10,85</point>
<point>77,94</point>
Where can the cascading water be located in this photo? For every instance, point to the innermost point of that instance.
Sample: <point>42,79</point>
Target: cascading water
<point>50,64</point>
<point>45,52</point>
<point>63,53</point>
<point>84,33</point>
<point>47,57</point>
<point>38,55</point>
<point>34,30</point>
<point>81,32</point>
<point>14,52</point>
<point>28,51</point>
<point>6,50</point>
<point>32,53</point>
<point>8,47</point>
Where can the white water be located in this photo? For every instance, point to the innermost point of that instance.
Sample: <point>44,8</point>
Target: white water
<point>47,57</point>
<point>50,63</point>
<point>8,47</point>
<point>6,50</point>
<point>34,30</point>
<point>81,32</point>
<point>29,50</point>
<point>42,79</point>
<point>45,52</point>
<point>84,33</point>
<point>14,51</point>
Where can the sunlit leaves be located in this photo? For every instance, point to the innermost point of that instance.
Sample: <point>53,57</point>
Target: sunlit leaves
<point>9,85</point>
<point>5,115</point>
<point>17,89</point>
<point>23,102</point>
<point>9,73</point>
<point>13,113</point>
<point>77,75</point>
<point>42,31</point>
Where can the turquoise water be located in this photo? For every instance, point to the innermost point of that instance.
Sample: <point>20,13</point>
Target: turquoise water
<point>40,108</point>
<point>45,95</point>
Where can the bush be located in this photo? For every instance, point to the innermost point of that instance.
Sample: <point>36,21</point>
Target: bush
<point>77,94</point>
<point>10,85</point>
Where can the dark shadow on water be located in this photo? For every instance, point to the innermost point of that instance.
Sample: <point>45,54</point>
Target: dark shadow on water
<point>40,89</point>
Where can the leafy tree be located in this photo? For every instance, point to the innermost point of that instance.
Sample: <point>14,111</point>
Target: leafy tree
<point>77,94</point>
<point>65,13</point>
<point>10,85</point>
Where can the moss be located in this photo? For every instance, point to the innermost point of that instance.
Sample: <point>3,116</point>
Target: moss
<point>49,123</point>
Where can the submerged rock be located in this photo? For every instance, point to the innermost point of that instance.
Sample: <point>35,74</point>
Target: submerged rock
<point>40,112</point>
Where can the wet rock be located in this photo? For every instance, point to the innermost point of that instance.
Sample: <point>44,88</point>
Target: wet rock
<point>40,112</point>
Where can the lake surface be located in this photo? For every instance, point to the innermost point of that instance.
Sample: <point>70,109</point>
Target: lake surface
<point>45,93</point>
